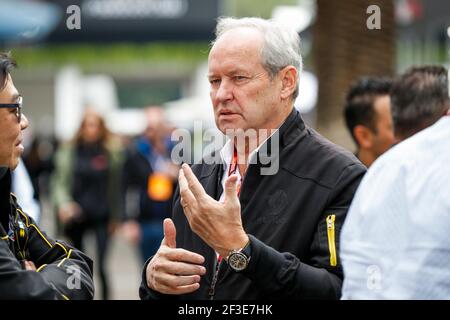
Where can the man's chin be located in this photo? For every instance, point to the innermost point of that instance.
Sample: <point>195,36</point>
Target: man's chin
<point>14,163</point>
<point>231,128</point>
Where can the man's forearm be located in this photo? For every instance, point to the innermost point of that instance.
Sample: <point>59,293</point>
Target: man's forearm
<point>283,275</point>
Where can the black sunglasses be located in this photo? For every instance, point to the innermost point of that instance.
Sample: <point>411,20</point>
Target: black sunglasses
<point>17,106</point>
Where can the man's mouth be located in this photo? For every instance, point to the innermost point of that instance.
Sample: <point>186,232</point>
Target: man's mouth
<point>20,145</point>
<point>226,112</point>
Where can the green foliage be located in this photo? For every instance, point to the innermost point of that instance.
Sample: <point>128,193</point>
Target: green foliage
<point>88,55</point>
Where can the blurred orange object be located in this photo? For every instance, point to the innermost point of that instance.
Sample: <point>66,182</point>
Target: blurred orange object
<point>159,187</point>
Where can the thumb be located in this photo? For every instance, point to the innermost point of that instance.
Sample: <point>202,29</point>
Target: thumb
<point>231,187</point>
<point>170,233</point>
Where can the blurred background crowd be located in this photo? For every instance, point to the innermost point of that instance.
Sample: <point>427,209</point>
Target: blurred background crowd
<point>103,99</point>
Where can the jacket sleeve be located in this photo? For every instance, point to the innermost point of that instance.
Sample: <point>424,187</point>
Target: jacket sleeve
<point>16,283</point>
<point>61,179</point>
<point>284,276</point>
<point>67,270</point>
<point>145,293</point>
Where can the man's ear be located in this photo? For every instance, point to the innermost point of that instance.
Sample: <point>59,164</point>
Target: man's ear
<point>363,136</point>
<point>288,77</point>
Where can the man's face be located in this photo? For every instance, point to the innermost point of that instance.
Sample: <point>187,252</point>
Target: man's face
<point>242,93</point>
<point>11,147</point>
<point>155,129</point>
<point>384,137</point>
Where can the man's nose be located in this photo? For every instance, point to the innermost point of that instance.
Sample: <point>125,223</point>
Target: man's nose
<point>23,122</point>
<point>225,91</point>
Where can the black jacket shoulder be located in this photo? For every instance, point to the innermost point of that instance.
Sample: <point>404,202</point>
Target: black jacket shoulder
<point>311,156</point>
<point>63,272</point>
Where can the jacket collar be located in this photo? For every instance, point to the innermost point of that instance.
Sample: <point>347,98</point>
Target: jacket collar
<point>3,172</point>
<point>5,190</point>
<point>291,129</point>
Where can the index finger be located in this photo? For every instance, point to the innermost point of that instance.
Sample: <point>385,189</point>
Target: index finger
<point>186,197</point>
<point>182,255</point>
<point>193,184</point>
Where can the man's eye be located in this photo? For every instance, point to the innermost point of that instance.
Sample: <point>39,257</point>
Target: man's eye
<point>214,81</point>
<point>240,78</point>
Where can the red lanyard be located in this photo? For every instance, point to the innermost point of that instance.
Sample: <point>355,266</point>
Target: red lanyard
<point>233,168</point>
<point>233,164</point>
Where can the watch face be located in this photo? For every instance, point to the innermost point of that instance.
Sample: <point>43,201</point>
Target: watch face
<point>238,261</point>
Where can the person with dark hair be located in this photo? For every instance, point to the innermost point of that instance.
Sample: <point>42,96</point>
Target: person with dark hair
<point>86,187</point>
<point>419,98</point>
<point>368,117</point>
<point>32,265</point>
<point>395,242</point>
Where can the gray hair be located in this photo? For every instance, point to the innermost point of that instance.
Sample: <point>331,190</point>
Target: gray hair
<point>281,47</point>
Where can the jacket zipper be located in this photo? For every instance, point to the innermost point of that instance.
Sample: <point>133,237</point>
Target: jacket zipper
<point>212,288</point>
<point>331,239</point>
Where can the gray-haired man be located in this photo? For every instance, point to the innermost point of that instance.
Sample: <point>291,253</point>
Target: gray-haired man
<point>238,233</point>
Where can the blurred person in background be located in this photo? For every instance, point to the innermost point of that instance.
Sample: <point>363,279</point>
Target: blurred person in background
<point>32,265</point>
<point>23,188</point>
<point>395,242</point>
<point>38,158</point>
<point>86,187</point>
<point>368,117</point>
<point>150,175</point>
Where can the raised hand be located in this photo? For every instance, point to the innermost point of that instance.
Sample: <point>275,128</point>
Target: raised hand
<point>218,224</point>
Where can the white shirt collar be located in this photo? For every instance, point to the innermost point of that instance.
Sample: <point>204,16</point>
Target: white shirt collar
<point>226,153</point>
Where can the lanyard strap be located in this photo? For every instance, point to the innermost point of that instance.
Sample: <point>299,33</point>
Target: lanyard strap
<point>233,168</point>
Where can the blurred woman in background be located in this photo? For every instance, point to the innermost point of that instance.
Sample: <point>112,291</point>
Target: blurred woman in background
<point>86,186</point>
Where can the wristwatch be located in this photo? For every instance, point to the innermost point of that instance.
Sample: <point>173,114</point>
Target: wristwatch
<point>238,259</point>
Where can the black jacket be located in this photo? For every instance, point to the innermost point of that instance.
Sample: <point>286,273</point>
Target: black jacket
<point>293,218</point>
<point>62,273</point>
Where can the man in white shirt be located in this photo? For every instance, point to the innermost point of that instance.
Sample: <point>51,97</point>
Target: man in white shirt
<point>395,242</point>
